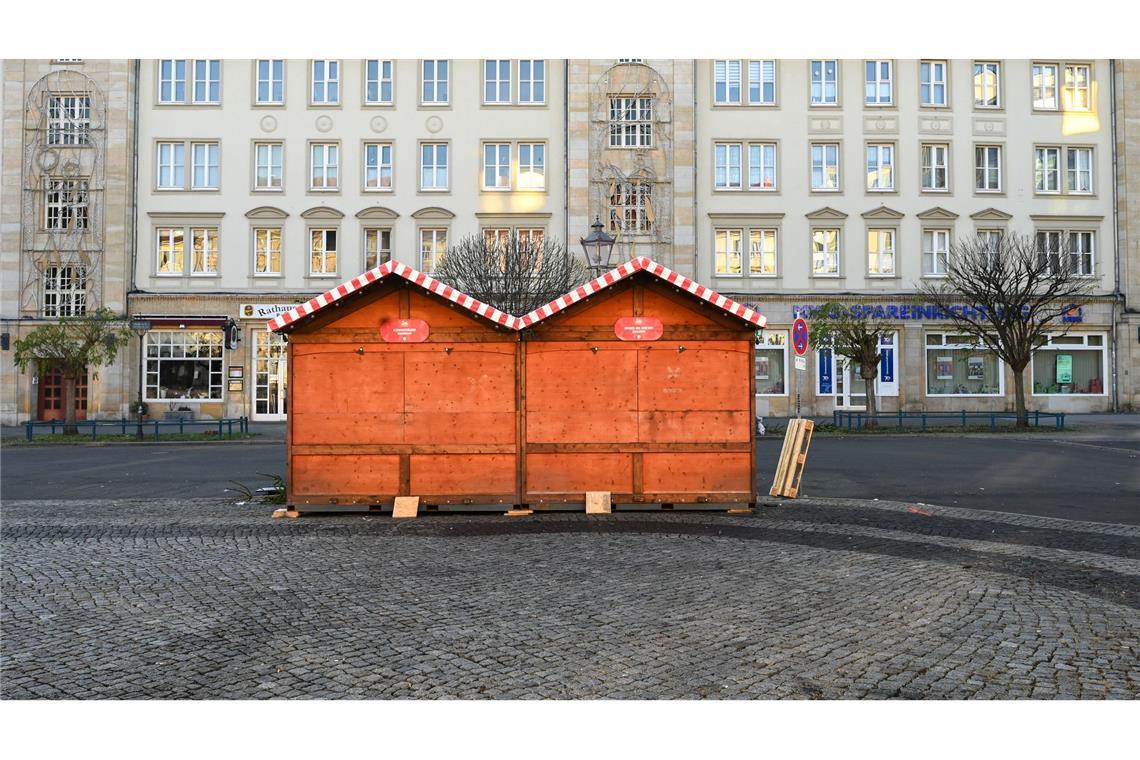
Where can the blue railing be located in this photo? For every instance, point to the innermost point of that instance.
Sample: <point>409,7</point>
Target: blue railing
<point>858,420</point>
<point>125,426</point>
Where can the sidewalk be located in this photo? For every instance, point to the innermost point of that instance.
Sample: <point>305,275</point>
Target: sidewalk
<point>265,431</point>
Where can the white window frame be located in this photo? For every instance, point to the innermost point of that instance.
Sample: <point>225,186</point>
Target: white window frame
<point>1046,181</point>
<point>883,161</point>
<point>493,82</point>
<point>888,341</point>
<point>878,82</point>
<point>378,167</point>
<point>380,251</point>
<point>631,121</point>
<point>823,83</point>
<point>930,167</point>
<point>168,235</point>
<point>263,246</point>
<point>724,255</point>
<point>1045,97</point>
<point>762,234</point>
<point>65,290</point>
<point>207,345</point>
<point>273,161</point>
<point>208,74</point>
<point>211,246</point>
<point>324,164</point>
<point>723,164</point>
<point>885,249</point>
<point>324,90</point>
<point>69,119</point>
<point>171,167</point>
<point>532,166</point>
<point>758,76</point>
<point>981,68</point>
<point>168,86</point>
<point>1086,259</point>
<point>764,150</point>
<point>274,79</point>
<point>986,167</point>
<point>438,153</point>
<point>1070,89</point>
<point>826,255</point>
<point>931,81</point>
<point>944,346</point>
<point>823,166</point>
<point>431,239</point>
<point>438,83</point>
<point>1049,345</point>
<point>497,159</point>
<point>382,82</point>
<point>773,340</point>
<point>322,233</point>
<point>1072,151</point>
<point>206,156</point>
<point>66,204</point>
<point>935,251</point>
<point>532,82</point>
<point>723,78</point>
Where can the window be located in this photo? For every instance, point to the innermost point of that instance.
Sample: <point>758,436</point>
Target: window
<point>987,168</point>
<point>825,166</point>
<point>991,240</point>
<point>878,90</point>
<point>171,166</point>
<point>727,164</point>
<point>771,363</point>
<point>728,252</point>
<point>1047,170</point>
<point>1075,245</point>
<point>880,253</point>
<point>1049,247</point>
<point>322,252</point>
<point>762,252</point>
<point>171,81</point>
<point>65,291</point>
<point>326,82</point>
<point>1070,364</point>
<point>762,166</point>
<point>171,251</point>
<point>762,82</point>
<point>987,84</point>
<point>1044,81</point>
<point>270,81</point>
<point>532,166</point>
<point>825,252</point>
<point>935,167</point>
<point>1075,94</point>
<point>183,365</point>
<point>377,246</point>
<point>1079,170</point>
<point>880,167</point>
<point>204,163</point>
<point>377,82</point>
<point>434,77</point>
<point>433,166</point>
<point>433,246</point>
<point>324,164</point>
<point>839,377</point>
<point>957,366</point>
<point>203,251</point>
<point>1081,252</point>
<point>496,166</point>
<point>65,204</point>
<point>207,81</point>
<point>69,120</point>
<point>532,82</point>
<point>497,81</point>
<point>631,207</point>
<point>377,166</point>
<point>932,83</point>
<point>266,251</point>
<point>726,75</point>
<point>935,252</point>
<point>631,122</point>
<point>824,82</point>
<point>631,60</point>
<point>268,166</point>
<point>500,237</point>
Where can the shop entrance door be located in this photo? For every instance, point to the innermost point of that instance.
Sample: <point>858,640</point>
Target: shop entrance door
<point>49,400</point>
<point>850,390</point>
<point>270,376</point>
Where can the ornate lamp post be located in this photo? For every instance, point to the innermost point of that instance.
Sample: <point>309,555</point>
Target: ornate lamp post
<point>598,248</point>
<point>140,327</point>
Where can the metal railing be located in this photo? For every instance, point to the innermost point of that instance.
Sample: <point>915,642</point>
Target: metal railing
<point>126,426</point>
<point>858,420</point>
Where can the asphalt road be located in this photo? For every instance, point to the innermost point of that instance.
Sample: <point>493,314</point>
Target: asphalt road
<point>1089,479</point>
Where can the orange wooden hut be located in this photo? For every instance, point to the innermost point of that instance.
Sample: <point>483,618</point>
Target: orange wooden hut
<point>400,385</point>
<point>639,383</point>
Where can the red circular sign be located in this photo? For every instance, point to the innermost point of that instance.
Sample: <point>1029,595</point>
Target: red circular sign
<point>404,331</point>
<point>638,328</point>
<point>800,336</point>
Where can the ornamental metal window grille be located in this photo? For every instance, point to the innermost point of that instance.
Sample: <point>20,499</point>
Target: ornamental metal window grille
<point>434,78</point>
<point>65,204</point>
<point>631,207</point>
<point>207,81</point>
<point>378,82</point>
<point>183,364</point>
<point>267,251</point>
<point>377,246</point>
<point>497,81</point>
<point>322,252</point>
<point>268,166</point>
<point>270,81</point>
<point>532,81</point>
<point>65,291</point>
<point>378,166</point>
<point>879,90</point>
<point>69,120</point>
<point>631,122</point>
<point>326,82</point>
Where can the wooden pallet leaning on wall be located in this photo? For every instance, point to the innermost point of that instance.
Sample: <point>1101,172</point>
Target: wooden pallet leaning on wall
<point>793,456</point>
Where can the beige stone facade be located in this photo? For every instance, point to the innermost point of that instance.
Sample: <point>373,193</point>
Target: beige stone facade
<point>1128,200</point>
<point>66,233</point>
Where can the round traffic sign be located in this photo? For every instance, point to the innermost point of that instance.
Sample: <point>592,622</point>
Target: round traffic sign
<point>800,336</point>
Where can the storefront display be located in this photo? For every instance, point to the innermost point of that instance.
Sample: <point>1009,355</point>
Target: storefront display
<point>771,363</point>
<point>1070,364</point>
<point>957,366</point>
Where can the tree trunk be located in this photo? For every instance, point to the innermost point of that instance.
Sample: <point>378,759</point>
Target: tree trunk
<point>872,402</point>
<point>1019,398</point>
<point>69,426</point>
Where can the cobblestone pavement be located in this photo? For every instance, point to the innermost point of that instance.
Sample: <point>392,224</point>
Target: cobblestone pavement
<point>835,599</point>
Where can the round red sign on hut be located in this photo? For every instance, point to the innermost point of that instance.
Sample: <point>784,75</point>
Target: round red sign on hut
<point>404,331</point>
<point>638,328</point>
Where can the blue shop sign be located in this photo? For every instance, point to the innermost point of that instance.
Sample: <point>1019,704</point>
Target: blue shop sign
<point>898,311</point>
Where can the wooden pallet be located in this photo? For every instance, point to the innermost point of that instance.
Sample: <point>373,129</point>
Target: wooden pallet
<point>793,457</point>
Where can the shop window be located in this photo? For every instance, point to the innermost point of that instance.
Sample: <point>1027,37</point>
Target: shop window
<point>183,364</point>
<point>772,363</point>
<point>957,366</point>
<point>1070,365</point>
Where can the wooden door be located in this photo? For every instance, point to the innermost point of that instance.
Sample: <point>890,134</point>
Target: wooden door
<point>49,403</point>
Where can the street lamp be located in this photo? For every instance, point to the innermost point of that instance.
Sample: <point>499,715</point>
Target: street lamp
<point>598,248</point>
<point>140,327</point>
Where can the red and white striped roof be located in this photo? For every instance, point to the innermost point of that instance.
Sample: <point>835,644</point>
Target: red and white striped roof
<point>372,276</point>
<point>660,271</point>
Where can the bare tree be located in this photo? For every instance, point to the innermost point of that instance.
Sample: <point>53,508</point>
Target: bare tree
<point>1009,293</point>
<point>515,275</point>
<point>850,332</point>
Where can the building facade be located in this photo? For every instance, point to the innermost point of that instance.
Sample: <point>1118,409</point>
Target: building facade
<point>66,233</point>
<point>1126,123</point>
